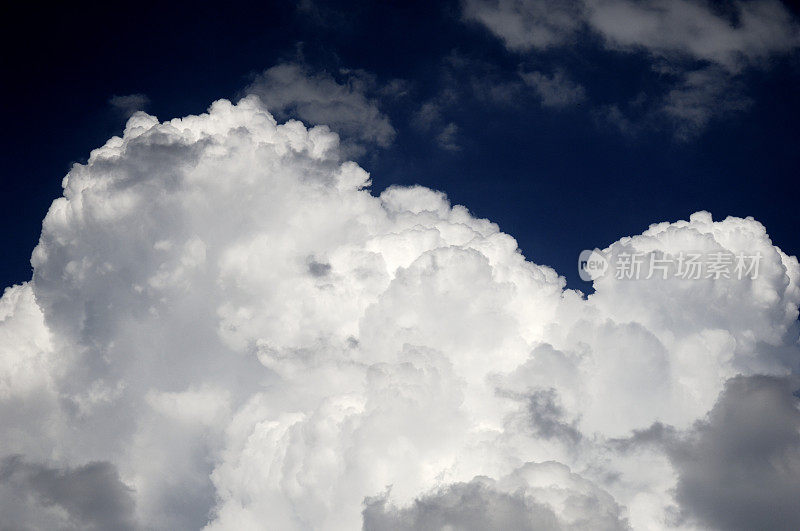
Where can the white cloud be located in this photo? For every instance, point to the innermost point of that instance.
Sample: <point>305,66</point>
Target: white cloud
<point>223,312</point>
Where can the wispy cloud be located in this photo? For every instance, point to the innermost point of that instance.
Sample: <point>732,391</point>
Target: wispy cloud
<point>347,102</point>
<point>705,48</point>
<point>555,90</point>
<point>130,103</point>
<point>525,25</point>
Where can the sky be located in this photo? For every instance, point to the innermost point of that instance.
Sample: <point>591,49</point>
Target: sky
<point>315,266</point>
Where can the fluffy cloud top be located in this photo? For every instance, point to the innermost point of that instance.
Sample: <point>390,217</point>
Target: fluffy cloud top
<point>226,329</point>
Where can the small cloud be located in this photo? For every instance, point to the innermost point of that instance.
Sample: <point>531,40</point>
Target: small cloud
<point>699,97</point>
<point>129,104</point>
<point>613,115</point>
<point>447,138</point>
<point>556,90</point>
<point>426,116</point>
<point>395,89</point>
<point>629,118</point>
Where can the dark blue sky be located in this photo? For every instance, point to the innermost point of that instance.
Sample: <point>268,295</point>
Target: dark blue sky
<point>557,178</point>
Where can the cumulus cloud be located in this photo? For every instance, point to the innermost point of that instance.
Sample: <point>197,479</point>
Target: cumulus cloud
<point>701,49</point>
<point>348,106</point>
<point>224,315</point>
